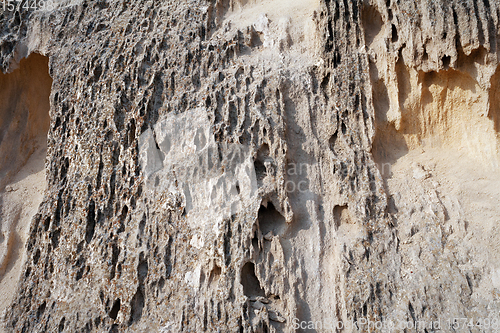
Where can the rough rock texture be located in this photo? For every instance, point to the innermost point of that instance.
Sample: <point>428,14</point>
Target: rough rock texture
<point>249,165</point>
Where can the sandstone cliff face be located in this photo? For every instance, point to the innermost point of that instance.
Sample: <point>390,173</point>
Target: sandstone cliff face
<point>247,165</point>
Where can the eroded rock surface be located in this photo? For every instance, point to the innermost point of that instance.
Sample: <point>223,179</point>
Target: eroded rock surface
<point>250,166</point>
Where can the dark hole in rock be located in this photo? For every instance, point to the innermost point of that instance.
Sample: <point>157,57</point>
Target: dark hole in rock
<point>255,241</point>
<point>36,257</point>
<point>61,324</point>
<point>425,57</point>
<point>340,216</point>
<point>394,37</point>
<point>343,127</point>
<point>251,285</point>
<point>89,233</point>
<point>271,221</point>
<point>446,62</point>
<point>28,272</point>
<point>332,142</point>
<point>161,283</point>
<point>115,252</point>
<point>46,223</point>
<point>137,306</point>
<point>115,309</point>
<point>252,38</point>
<point>41,310</point>
<point>214,274</point>
<point>142,269</point>
<point>260,170</point>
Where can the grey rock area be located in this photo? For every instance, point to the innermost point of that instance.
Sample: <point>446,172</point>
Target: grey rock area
<point>250,166</point>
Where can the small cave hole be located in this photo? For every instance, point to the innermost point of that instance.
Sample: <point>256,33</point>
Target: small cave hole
<point>89,232</point>
<point>46,223</point>
<point>161,283</point>
<point>36,257</point>
<point>137,305</point>
<point>61,324</point>
<point>394,37</point>
<point>253,38</point>
<point>333,141</point>
<point>215,275</point>
<point>446,62</point>
<point>255,241</point>
<point>325,82</point>
<point>124,213</point>
<point>251,285</point>
<point>425,57</point>
<point>340,216</point>
<point>271,221</point>
<point>260,170</point>
<point>115,309</point>
<point>28,272</point>
<point>343,128</point>
<point>41,310</point>
<point>115,253</point>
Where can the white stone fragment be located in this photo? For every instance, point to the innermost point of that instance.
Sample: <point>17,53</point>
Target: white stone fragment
<point>149,155</point>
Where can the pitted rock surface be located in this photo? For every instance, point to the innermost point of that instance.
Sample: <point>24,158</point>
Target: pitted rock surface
<point>253,165</point>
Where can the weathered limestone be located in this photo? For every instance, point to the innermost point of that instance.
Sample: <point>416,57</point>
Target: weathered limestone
<point>251,166</point>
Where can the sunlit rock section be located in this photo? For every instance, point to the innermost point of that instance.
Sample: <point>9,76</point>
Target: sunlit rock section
<point>437,147</point>
<point>24,123</point>
<point>214,181</point>
<point>24,114</point>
